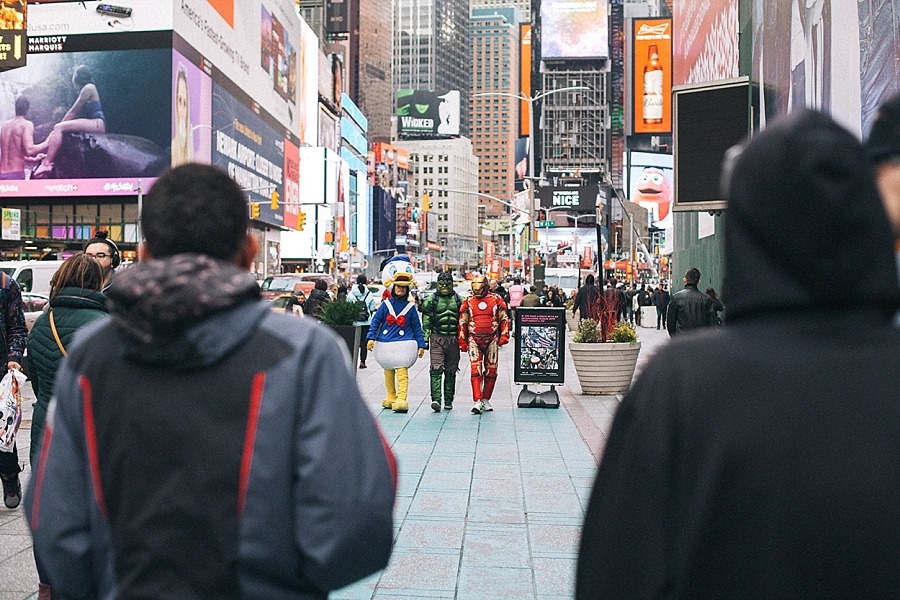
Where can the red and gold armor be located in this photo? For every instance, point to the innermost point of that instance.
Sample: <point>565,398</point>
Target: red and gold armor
<point>483,328</point>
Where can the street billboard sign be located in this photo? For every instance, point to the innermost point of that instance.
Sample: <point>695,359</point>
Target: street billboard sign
<point>540,345</point>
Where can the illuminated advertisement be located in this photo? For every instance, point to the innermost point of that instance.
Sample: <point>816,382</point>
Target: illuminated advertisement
<point>309,85</point>
<point>250,150</point>
<point>524,78</point>
<point>579,199</point>
<point>191,112</point>
<point>262,47</point>
<point>652,75</point>
<point>13,37</point>
<point>102,147</point>
<point>574,29</point>
<point>650,184</point>
<point>840,58</point>
<point>424,113</point>
<point>278,58</point>
<point>705,40</point>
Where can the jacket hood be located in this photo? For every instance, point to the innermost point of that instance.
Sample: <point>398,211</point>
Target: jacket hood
<point>805,227</point>
<point>185,310</point>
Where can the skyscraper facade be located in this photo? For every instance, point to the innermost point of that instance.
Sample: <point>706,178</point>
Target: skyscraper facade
<point>494,119</point>
<point>524,6</point>
<point>432,48</point>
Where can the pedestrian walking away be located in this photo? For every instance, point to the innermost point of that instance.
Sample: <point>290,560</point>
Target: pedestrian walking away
<point>201,445</point>
<point>689,309</point>
<point>483,329</point>
<point>662,306</point>
<point>759,460</point>
<point>75,301</point>
<point>365,299</point>
<point>587,300</point>
<point>440,317</point>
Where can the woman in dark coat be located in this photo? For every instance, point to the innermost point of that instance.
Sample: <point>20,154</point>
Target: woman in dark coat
<point>75,301</point>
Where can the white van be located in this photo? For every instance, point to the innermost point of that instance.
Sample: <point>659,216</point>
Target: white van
<point>31,275</point>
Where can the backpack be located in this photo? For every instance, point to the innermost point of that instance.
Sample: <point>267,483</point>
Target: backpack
<point>363,307</point>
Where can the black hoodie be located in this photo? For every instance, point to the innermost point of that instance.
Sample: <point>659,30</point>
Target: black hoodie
<point>763,459</point>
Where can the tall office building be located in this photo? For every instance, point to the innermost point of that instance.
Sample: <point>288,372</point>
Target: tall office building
<point>494,119</point>
<point>448,171</point>
<point>432,49</point>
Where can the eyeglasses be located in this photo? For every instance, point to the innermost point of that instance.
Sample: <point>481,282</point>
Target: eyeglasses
<point>100,255</point>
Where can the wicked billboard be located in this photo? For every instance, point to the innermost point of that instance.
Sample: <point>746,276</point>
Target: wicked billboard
<point>427,114</point>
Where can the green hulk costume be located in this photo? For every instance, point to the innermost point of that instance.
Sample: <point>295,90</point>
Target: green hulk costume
<point>440,321</point>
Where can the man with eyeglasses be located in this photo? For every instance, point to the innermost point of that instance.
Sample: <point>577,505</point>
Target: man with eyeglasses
<point>107,254</point>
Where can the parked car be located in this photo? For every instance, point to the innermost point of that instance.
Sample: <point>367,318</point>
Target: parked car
<point>33,305</point>
<point>275,285</point>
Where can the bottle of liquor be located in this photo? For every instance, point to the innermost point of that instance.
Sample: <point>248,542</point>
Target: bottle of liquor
<point>653,88</point>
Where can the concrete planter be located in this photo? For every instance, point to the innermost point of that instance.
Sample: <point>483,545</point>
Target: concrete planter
<point>604,369</point>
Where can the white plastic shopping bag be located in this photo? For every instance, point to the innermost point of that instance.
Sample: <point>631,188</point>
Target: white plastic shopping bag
<point>10,408</point>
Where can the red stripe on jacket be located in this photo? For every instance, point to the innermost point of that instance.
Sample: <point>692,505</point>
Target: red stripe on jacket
<point>90,435</point>
<point>39,479</point>
<point>256,390</point>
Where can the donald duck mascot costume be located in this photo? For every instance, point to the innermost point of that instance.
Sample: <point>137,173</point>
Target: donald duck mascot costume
<point>395,335</point>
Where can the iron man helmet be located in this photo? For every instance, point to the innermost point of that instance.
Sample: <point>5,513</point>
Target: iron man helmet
<point>479,286</point>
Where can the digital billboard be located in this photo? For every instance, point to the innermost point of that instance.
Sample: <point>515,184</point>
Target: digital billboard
<point>652,75</point>
<point>13,37</point>
<point>278,57</point>
<point>705,40</point>
<point>525,64</point>
<point>428,114</point>
<point>337,16</point>
<point>650,183</point>
<point>191,112</point>
<point>579,199</point>
<point>574,29</point>
<point>250,150</point>
<point>105,146</point>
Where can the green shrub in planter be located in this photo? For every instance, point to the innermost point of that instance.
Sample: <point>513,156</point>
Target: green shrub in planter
<point>339,312</point>
<point>587,332</point>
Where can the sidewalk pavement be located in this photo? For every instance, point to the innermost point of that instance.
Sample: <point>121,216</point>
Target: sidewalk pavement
<point>488,506</point>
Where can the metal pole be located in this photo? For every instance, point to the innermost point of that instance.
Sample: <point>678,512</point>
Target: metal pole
<point>530,182</point>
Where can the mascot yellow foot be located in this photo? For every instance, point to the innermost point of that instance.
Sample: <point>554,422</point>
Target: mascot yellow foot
<point>400,405</point>
<point>391,390</point>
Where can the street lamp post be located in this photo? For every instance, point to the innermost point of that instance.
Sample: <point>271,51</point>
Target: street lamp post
<point>531,132</point>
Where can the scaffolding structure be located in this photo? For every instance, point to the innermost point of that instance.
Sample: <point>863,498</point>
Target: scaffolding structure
<point>575,125</point>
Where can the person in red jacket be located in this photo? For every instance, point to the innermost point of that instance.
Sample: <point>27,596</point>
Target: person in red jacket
<point>483,328</point>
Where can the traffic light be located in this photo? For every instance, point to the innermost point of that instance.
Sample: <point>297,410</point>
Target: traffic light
<point>254,210</point>
<point>301,220</point>
<point>274,200</point>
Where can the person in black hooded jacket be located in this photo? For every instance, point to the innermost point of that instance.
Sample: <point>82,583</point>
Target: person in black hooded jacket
<point>761,460</point>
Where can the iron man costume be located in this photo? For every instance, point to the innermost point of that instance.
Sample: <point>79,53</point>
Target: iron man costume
<point>483,328</point>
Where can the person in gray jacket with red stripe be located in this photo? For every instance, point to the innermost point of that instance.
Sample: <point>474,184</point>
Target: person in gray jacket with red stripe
<point>199,444</point>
